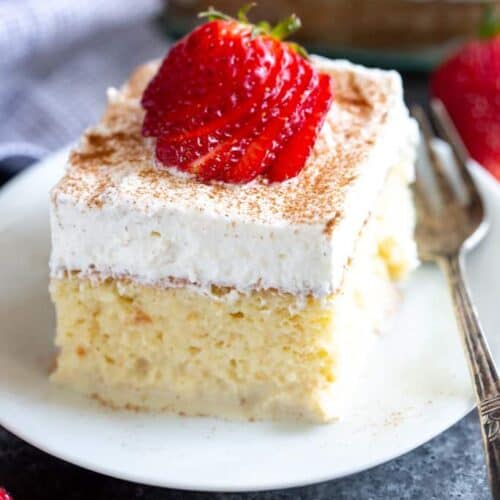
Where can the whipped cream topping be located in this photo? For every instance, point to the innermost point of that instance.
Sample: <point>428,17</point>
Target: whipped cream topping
<point>115,214</point>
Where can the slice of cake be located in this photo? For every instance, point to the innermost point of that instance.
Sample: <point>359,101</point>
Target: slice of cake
<point>245,288</point>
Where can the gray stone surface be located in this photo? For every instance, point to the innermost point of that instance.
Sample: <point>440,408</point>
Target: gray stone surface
<point>449,467</point>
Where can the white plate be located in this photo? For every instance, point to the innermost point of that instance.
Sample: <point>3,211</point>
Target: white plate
<point>416,384</point>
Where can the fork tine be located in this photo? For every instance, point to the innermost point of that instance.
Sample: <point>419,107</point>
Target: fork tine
<point>422,202</point>
<point>445,188</point>
<point>426,129</point>
<point>419,191</point>
<point>447,130</point>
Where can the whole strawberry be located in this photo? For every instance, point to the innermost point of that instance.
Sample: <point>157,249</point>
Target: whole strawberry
<point>469,85</point>
<point>232,101</point>
<point>4,495</point>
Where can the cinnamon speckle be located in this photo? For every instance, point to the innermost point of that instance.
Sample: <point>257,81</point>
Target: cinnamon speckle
<point>330,225</point>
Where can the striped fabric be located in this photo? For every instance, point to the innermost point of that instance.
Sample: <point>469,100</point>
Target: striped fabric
<point>56,59</point>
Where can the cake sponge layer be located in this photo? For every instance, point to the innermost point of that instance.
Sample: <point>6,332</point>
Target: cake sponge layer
<point>176,349</point>
<point>262,354</point>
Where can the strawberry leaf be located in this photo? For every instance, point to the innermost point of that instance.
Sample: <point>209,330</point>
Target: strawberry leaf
<point>286,27</point>
<point>299,49</point>
<point>490,25</point>
<point>281,31</point>
<point>213,14</point>
<point>242,13</point>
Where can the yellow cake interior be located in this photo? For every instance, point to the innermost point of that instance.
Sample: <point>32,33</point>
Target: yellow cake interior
<point>263,354</point>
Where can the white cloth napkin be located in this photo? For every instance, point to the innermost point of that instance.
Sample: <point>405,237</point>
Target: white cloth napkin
<point>56,59</point>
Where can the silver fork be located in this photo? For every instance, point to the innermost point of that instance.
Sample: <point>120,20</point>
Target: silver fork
<point>444,233</point>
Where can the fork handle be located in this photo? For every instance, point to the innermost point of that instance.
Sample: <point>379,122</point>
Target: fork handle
<point>481,365</point>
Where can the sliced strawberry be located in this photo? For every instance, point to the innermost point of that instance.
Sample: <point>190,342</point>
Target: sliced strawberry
<point>259,154</point>
<point>194,154</point>
<point>293,155</point>
<point>265,123</point>
<point>191,97</point>
<point>229,97</point>
<point>219,127</point>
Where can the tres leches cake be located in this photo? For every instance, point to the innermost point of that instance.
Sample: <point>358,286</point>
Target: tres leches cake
<point>228,239</point>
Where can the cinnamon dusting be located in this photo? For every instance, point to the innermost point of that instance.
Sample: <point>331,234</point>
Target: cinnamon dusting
<point>115,164</point>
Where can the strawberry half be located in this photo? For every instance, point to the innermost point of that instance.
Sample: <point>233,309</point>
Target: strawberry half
<point>469,85</point>
<point>228,99</point>
<point>4,495</point>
